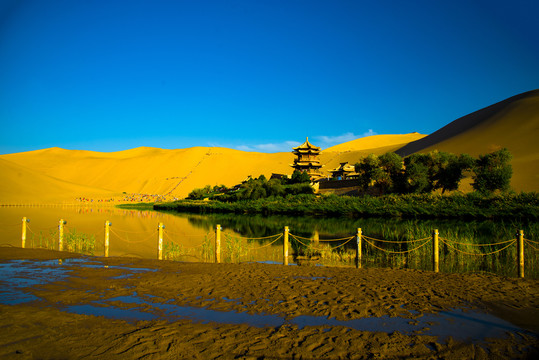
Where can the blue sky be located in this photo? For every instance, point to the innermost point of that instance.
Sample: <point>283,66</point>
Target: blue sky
<point>253,75</point>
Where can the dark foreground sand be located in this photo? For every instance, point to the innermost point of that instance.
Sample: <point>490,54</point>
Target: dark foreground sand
<point>43,329</point>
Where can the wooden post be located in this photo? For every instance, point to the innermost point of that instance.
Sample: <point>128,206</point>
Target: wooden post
<point>218,243</point>
<point>285,246</point>
<point>107,237</point>
<point>520,251</point>
<point>435,254</point>
<point>24,221</point>
<point>358,249</point>
<point>61,224</point>
<point>160,228</point>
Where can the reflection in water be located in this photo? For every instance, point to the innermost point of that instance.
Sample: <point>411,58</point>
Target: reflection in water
<point>189,237</point>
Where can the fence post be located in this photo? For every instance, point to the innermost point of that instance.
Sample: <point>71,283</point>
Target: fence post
<point>435,254</point>
<point>285,246</point>
<point>61,224</point>
<point>218,243</point>
<point>358,249</point>
<point>160,228</point>
<point>107,237</point>
<point>24,221</point>
<point>520,251</point>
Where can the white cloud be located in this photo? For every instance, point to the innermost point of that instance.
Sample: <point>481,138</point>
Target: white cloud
<point>284,146</point>
<point>327,141</point>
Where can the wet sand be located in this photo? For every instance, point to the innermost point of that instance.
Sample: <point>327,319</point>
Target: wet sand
<point>55,323</point>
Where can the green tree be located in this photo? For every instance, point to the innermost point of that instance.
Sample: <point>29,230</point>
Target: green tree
<point>451,170</point>
<point>392,174</point>
<point>417,168</point>
<point>199,194</point>
<point>299,177</point>
<point>493,172</point>
<point>274,187</point>
<point>369,171</point>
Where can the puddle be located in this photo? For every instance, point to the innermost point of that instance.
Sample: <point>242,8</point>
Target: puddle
<point>270,262</point>
<point>16,275</point>
<point>312,277</point>
<point>470,326</point>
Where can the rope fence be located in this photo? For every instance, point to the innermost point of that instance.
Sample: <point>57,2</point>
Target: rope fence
<point>60,234</point>
<point>428,240</point>
<point>449,243</point>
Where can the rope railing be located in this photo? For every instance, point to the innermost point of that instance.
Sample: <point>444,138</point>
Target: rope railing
<point>183,246</point>
<point>428,240</point>
<point>472,244</point>
<point>320,240</point>
<point>208,234</point>
<point>395,241</point>
<point>279,236</point>
<point>529,243</point>
<point>131,241</point>
<point>252,238</point>
<point>448,243</point>
<point>348,239</point>
<point>132,232</point>
<point>235,245</point>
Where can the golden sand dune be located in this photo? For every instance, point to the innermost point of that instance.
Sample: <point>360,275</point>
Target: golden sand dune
<point>353,151</point>
<point>20,185</point>
<point>376,142</point>
<point>512,123</point>
<point>148,170</point>
<point>56,175</point>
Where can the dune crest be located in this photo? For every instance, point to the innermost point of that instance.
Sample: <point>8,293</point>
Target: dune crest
<point>512,123</point>
<point>375,141</point>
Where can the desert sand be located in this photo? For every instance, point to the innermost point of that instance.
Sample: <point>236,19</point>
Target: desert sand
<point>59,175</point>
<point>208,311</point>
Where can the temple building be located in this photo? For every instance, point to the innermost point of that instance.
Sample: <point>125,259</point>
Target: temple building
<point>344,171</point>
<point>307,159</point>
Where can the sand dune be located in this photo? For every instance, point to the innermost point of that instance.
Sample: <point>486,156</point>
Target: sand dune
<point>56,175</point>
<point>20,185</point>
<point>512,123</point>
<point>376,142</point>
<point>150,170</point>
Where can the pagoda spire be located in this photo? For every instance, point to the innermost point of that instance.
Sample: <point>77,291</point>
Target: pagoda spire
<point>307,159</point>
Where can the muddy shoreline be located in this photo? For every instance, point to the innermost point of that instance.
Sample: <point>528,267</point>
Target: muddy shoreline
<point>56,321</point>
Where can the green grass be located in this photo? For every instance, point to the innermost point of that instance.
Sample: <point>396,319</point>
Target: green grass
<point>469,206</point>
<point>137,206</point>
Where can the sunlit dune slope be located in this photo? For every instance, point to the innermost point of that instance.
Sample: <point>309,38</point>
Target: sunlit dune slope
<point>20,185</point>
<point>375,142</point>
<point>152,170</point>
<point>353,151</point>
<point>512,123</point>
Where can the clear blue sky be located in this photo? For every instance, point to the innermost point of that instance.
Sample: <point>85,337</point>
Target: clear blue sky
<point>253,74</point>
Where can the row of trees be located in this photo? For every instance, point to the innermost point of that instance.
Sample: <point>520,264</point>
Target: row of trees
<point>423,173</point>
<point>389,173</point>
<point>253,189</point>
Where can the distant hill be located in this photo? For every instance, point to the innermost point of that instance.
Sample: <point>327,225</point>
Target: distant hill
<point>512,123</point>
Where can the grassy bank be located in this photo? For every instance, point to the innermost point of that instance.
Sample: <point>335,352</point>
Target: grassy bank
<point>469,206</point>
<point>137,206</point>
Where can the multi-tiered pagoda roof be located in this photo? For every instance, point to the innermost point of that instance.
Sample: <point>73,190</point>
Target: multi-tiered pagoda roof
<point>307,159</point>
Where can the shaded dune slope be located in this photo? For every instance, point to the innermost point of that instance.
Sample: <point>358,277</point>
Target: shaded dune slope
<point>512,123</point>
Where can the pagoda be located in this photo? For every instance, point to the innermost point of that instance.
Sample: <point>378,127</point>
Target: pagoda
<point>307,159</point>
<point>343,171</point>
